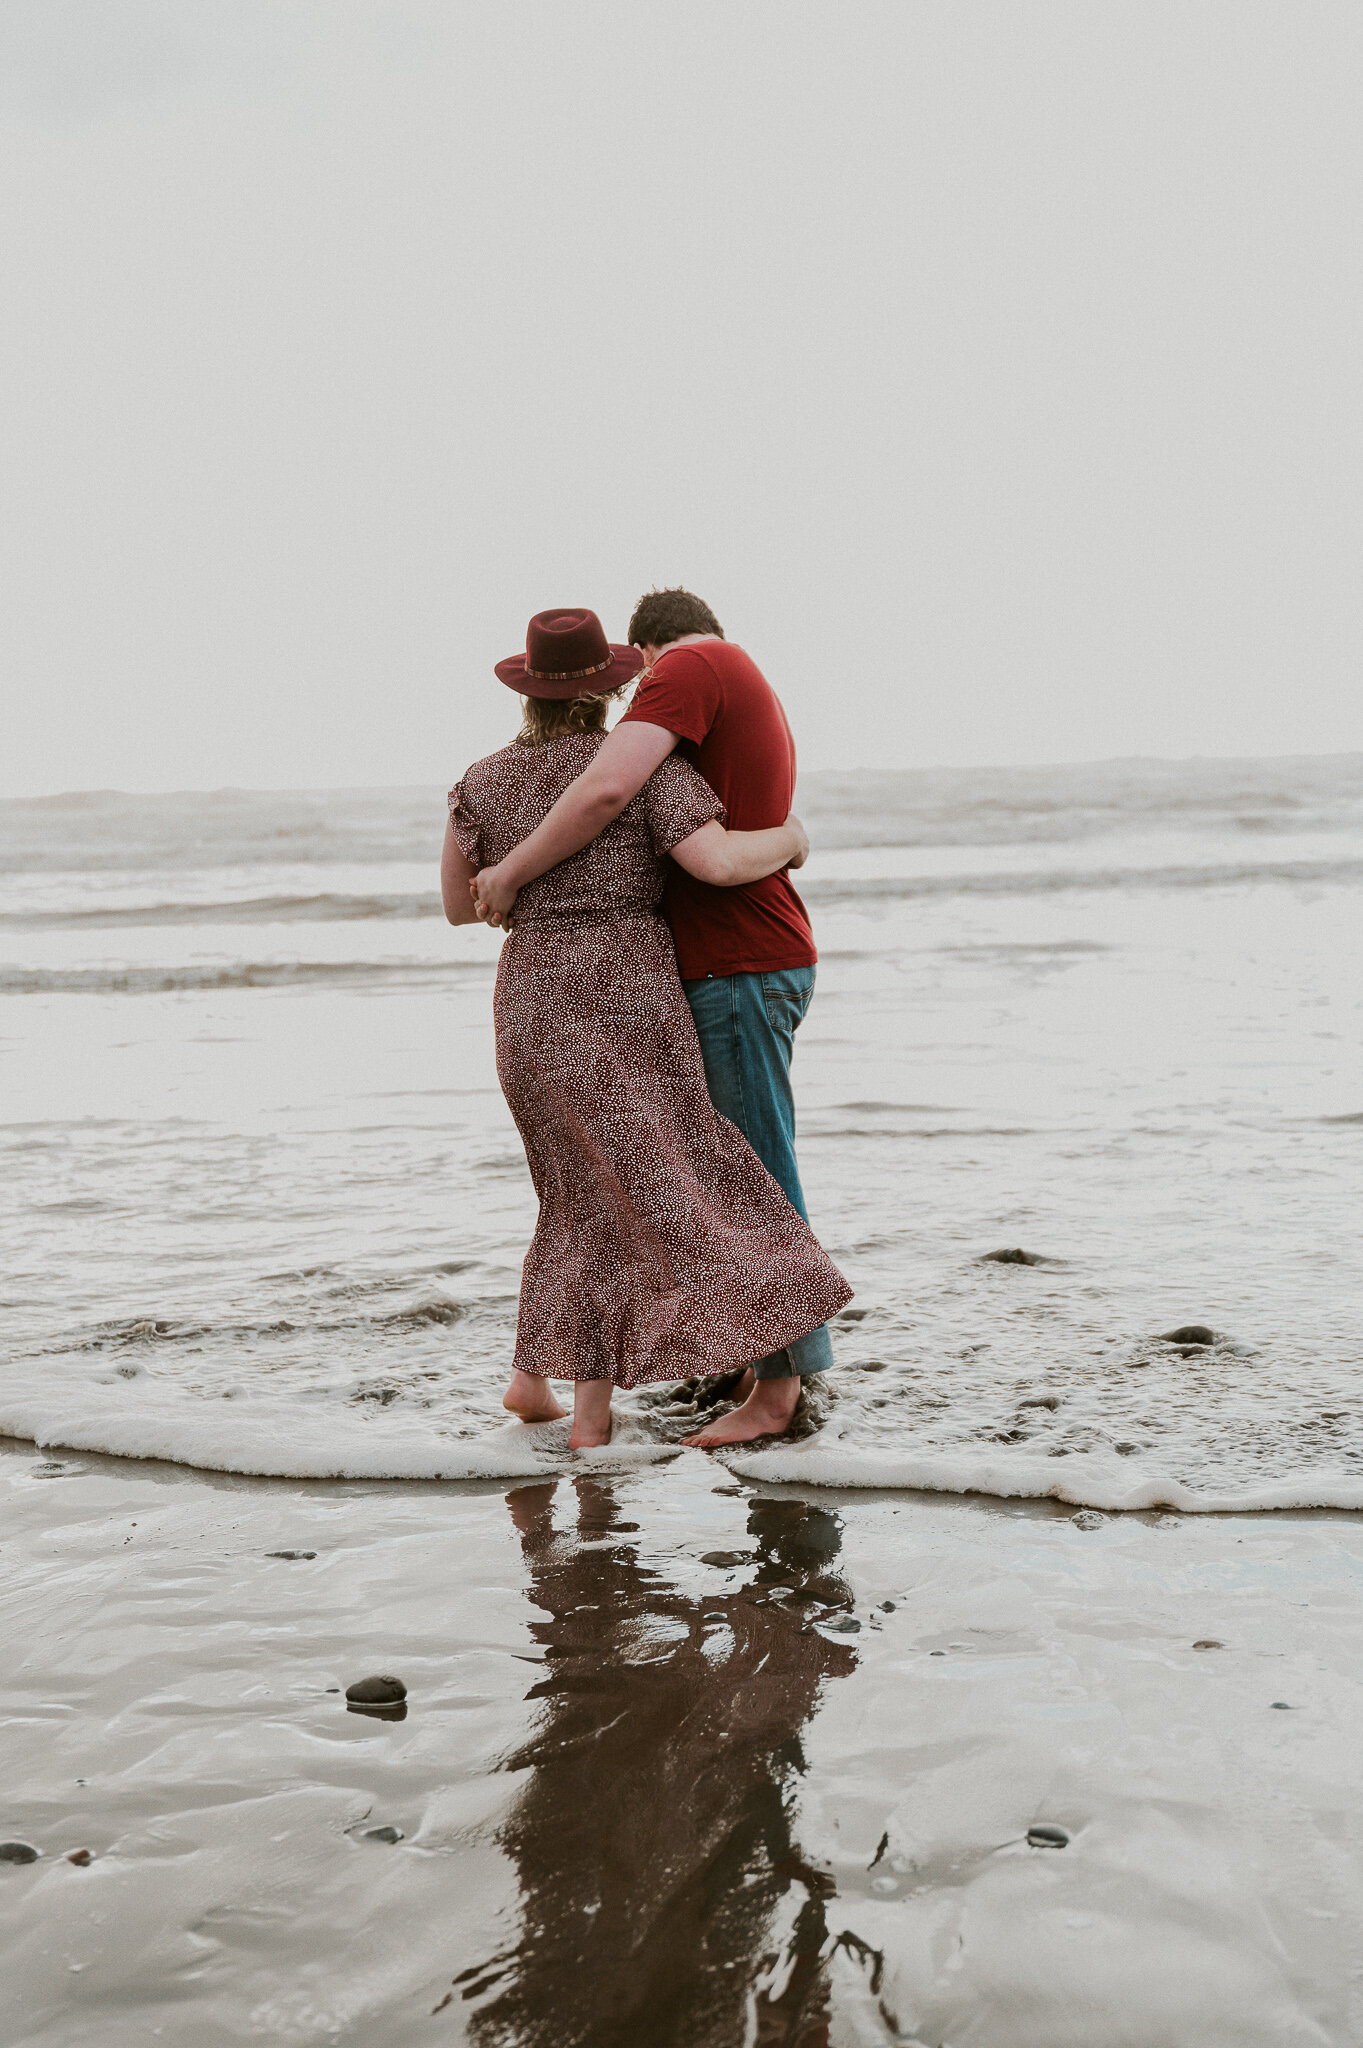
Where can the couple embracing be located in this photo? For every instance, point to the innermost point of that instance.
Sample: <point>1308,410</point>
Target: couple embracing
<point>657,965</point>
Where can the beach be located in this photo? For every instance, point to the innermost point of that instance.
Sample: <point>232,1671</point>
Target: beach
<point>696,1749</point>
<point>682,1760</point>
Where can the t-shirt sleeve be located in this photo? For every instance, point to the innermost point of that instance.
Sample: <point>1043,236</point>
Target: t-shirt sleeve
<point>467,834</point>
<point>677,801</point>
<point>681,694</point>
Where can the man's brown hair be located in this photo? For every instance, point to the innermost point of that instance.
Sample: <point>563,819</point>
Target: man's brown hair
<point>665,615</point>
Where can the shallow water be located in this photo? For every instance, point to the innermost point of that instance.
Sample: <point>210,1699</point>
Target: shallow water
<point>682,1762</point>
<point>264,1207</point>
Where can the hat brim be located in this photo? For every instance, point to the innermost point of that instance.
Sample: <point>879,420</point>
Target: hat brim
<point>626,665</point>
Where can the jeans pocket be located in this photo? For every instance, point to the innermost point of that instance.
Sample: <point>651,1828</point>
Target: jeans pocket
<point>786,994</point>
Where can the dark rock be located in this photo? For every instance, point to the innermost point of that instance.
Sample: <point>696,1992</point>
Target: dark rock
<point>1043,1836</point>
<point>17,1852</point>
<point>1015,1257</point>
<point>383,1834</point>
<point>82,1858</point>
<point>936,1653</point>
<point>887,1606</point>
<point>376,1692</point>
<point>1088,1518</point>
<point>291,1553</point>
<point>726,1559</point>
<point>1208,1643</point>
<point>1285,1705</point>
<point>851,1315</point>
<point>1189,1333</point>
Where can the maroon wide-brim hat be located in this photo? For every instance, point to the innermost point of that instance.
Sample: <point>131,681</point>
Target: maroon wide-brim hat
<point>567,654</point>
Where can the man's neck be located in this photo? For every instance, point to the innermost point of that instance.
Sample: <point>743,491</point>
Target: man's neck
<point>685,640</point>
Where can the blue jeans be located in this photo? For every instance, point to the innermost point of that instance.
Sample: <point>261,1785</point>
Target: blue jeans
<point>746,1024</point>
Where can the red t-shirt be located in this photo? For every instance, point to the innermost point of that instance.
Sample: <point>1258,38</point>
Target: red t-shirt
<point>729,721</point>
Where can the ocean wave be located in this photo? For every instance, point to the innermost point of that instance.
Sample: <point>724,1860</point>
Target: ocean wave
<point>1089,1480</point>
<point>371,1430</point>
<point>108,830</point>
<point>133,1332</point>
<point>850,891</point>
<point>141,981</point>
<point>325,907</point>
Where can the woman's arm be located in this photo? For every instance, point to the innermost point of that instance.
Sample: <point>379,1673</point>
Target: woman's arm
<point>727,858</point>
<point>456,881</point>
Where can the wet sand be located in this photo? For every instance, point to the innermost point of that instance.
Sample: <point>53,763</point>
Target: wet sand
<point>683,1761</point>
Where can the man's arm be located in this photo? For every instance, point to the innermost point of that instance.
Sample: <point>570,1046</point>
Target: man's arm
<point>623,764</point>
<point>726,859</point>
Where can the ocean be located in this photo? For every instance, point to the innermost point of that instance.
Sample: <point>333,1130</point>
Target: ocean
<point>264,1207</point>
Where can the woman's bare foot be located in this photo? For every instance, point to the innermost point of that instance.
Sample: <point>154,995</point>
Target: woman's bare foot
<point>529,1397</point>
<point>591,1414</point>
<point>768,1411</point>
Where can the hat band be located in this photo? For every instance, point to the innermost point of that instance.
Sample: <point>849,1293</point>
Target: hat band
<point>568,675</point>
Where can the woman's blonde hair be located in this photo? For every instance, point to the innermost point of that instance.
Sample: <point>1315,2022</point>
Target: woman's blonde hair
<point>548,718</point>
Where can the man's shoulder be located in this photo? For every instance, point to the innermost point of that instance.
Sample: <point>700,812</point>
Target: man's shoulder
<point>726,661</point>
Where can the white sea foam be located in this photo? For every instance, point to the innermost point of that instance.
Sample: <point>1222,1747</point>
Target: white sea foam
<point>1110,1484</point>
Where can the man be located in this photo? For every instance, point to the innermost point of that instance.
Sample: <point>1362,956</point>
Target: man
<point>746,954</point>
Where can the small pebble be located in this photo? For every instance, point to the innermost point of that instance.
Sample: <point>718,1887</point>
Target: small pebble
<point>376,1692</point>
<point>1208,1643</point>
<point>383,1834</point>
<point>1045,1837</point>
<point>1286,1706</point>
<point>936,1653</point>
<point>1088,1518</point>
<point>291,1553</point>
<point>80,1857</point>
<point>887,1606</point>
<point>725,1559</point>
<point>17,1852</point>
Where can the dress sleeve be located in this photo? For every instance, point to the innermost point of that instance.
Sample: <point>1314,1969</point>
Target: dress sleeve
<point>467,834</point>
<point>677,801</point>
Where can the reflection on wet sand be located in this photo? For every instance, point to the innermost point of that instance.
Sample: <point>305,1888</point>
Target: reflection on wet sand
<point>665,1899</point>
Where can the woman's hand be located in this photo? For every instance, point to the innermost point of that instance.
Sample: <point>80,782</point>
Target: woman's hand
<point>494,898</point>
<point>801,854</point>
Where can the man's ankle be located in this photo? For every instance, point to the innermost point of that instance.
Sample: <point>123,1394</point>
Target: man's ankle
<point>782,1392</point>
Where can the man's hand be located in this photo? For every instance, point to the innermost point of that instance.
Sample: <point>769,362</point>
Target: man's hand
<point>493,899</point>
<point>798,859</point>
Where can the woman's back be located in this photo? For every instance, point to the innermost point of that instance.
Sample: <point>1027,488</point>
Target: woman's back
<point>503,798</point>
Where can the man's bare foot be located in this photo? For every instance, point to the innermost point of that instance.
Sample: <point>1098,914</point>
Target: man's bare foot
<point>591,1415</point>
<point>768,1411</point>
<point>529,1397</point>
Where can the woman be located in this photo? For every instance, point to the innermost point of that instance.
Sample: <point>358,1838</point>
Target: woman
<point>664,1248</point>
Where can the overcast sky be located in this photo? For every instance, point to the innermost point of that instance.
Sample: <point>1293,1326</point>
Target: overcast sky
<point>992,369</point>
